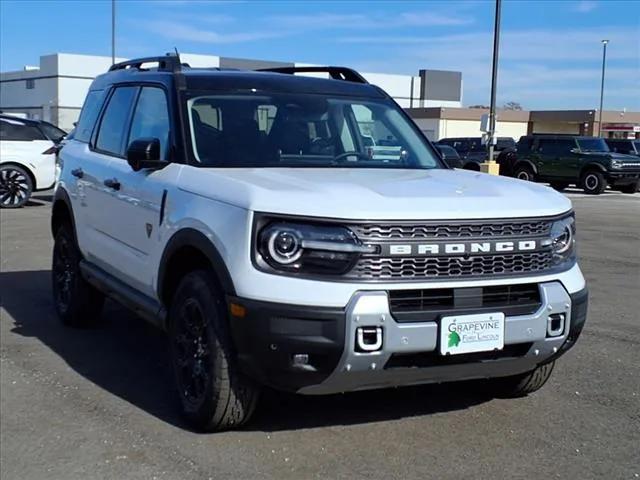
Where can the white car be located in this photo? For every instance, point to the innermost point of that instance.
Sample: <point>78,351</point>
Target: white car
<point>27,158</point>
<point>241,212</point>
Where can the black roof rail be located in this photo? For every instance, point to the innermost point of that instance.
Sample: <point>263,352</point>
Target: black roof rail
<point>337,73</point>
<point>167,63</point>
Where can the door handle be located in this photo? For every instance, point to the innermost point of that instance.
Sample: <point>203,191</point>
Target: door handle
<point>77,172</point>
<point>112,183</point>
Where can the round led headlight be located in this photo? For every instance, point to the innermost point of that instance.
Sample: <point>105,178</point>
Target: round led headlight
<point>284,246</point>
<point>562,238</point>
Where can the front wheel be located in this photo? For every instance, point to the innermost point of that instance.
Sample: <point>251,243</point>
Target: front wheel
<point>523,384</point>
<point>524,172</point>
<point>213,393</point>
<point>593,182</point>
<point>15,186</point>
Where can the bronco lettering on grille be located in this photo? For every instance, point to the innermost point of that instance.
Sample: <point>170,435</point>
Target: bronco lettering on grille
<point>457,248</point>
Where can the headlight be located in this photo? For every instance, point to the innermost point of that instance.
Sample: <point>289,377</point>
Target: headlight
<point>616,164</point>
<point>562,239</point>
<point>293,247</point>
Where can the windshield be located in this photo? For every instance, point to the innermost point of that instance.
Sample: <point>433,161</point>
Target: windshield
<point>593,145</point>
<point>285,130</point>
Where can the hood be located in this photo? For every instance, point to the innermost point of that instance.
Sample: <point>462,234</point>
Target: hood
<point>375,194</point>
<point>623,157</point>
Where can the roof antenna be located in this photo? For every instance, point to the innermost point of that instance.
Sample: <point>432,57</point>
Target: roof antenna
<point>177,53</point>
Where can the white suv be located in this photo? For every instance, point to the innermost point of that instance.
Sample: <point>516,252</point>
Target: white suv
<point>27,158</point>
<point>243,213</point>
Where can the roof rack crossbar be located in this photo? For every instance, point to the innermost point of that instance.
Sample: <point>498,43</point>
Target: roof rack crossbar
<point>337,73</point>
<point>167,63</point>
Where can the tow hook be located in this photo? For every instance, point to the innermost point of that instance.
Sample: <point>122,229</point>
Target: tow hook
<point>368,339</point>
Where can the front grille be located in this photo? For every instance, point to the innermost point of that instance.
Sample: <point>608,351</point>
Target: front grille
<point>429,305</point>
<point>407,268</point>
<point>389,231</point>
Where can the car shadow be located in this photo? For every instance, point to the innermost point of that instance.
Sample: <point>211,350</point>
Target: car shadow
<point>39,200</point>
<point>128,358</point>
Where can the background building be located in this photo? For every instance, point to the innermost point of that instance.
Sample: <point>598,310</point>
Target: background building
<point>55,90</point>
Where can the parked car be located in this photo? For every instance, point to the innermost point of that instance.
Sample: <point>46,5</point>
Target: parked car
<point>27,158</point>
<point>586,162</point>
<point>275,250</point>
<point>622,145</point>
<point>450,156</point>
<point>473,152</point>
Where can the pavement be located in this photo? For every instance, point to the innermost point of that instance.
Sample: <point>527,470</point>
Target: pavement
<point>84,404</point>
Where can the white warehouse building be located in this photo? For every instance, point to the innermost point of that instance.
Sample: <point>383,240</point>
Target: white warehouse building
<point>54,91</point>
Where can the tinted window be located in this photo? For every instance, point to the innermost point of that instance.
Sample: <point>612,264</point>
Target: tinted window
<point>88,116</point>
<point>593,145</point>
<point>558,146</point>
<point>51,131</point>
<point>111,137</point>
<point>151,118</point>
<point>524,144</point>
<point>620,146</point>
<point>18,131</point>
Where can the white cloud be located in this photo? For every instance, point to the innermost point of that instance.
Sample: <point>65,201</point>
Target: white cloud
<point>187,32</point>
<point>586,6</point>
<point>371,20</point>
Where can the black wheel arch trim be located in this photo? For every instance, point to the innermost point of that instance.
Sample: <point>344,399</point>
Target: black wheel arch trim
<point>62,196</point>
<point>190,237</point>
<point>593,166</point>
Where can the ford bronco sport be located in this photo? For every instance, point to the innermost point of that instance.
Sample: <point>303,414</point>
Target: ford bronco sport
<point>241,212</point>
<point>586,162</point>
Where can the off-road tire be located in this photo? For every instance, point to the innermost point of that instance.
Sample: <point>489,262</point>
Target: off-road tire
<point>524,172</point>
<point>524,384</point>
<point>593,182</point>
<point>213,393</point>
<point>77,303</point>
<point>16,186</point>
<point>630,188</point>
<point>559,186</point>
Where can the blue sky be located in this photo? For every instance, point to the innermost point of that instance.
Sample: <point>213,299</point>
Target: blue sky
<point>550,49</point>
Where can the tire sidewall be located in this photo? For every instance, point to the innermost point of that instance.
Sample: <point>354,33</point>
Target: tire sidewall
<point>524,173</point>
<point>195,286</point>
<point>593,183</point>
<point>64,236</point>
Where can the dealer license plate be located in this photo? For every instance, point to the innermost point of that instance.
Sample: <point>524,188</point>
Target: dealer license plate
<point>482,332</point>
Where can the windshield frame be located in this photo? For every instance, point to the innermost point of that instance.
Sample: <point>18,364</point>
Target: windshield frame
<point>190,146</point>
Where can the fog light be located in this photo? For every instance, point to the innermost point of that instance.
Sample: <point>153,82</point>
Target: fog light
<point>301,359</point>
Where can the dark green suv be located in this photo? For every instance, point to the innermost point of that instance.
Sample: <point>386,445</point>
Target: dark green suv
<point>586,162</point>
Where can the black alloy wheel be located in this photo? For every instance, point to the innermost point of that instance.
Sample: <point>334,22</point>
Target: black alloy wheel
<point>15,187</point>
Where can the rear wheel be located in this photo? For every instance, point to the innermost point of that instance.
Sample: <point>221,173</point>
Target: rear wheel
<point>214,394</point>
<point>77,302</point>
<point>559,186</point>
<point>593,182</point>
<point>630,188</point>
<point>15,186</point>
<point>524,384</point>
<point>524,172</point>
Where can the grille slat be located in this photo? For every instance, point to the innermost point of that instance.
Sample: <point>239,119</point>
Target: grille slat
<point>390,232</point>
<point>381,268</point>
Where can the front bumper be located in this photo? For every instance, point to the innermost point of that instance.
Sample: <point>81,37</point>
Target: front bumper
<point>269,335</point>
<point>623,177</point>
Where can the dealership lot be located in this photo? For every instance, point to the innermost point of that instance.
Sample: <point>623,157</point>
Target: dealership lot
<point>98,403</point>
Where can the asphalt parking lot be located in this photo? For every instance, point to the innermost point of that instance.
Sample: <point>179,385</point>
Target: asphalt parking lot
<point>78,404</point>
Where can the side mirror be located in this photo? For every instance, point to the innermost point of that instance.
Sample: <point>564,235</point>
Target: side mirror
<point>575,150</point>
<point>144,153</point>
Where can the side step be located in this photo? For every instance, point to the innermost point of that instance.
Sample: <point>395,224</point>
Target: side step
<point>148,308</point>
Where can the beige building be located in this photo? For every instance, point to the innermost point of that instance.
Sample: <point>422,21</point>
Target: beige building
<point>438,123</point>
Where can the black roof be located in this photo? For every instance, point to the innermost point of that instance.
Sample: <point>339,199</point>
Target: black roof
<point>26,121</point>
<point>345,82</point>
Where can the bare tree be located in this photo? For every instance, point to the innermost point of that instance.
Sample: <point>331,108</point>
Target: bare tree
<point>512,106</point>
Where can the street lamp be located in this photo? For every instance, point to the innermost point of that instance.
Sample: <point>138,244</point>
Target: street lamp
<point>494,84</point>
<point>113,32</point>
<point>604,58</point>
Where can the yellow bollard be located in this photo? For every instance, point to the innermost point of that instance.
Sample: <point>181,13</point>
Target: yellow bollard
<point>491,167</point>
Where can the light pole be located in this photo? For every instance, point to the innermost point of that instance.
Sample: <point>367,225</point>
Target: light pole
<point>604,58</point>
<point>494,81</point>
<point>113,32</point>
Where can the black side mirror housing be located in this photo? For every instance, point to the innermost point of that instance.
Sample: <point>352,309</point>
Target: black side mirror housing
<point>144,153</point>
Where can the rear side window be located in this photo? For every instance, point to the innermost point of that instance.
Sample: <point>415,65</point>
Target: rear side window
<point>557,146</point>
<point>19,132</point>
<point>151,118</point>
<point>524,144</point>
<point>113,127</point>
<point>89,115</point>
